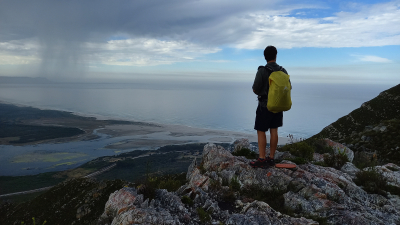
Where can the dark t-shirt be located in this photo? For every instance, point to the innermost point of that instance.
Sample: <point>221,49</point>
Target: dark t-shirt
<point>261,83</point>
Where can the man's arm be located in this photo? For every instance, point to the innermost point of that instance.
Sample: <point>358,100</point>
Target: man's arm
<point>258,82</point>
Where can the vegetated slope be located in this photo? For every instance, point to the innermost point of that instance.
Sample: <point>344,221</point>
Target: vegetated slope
<point>17,114</point>
<point>15,130</point>
<point>131,166</point>
<point>372,128</point>
<point>22,125</point>
<point>79,201</point>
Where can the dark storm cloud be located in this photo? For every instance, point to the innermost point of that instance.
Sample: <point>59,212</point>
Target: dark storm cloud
<point>80,20</point>
<point>63,27</point>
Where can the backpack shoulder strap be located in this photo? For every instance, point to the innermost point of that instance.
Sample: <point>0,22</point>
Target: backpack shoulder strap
<point>269,68</point>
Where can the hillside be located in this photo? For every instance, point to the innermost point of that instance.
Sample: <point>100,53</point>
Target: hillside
<point>371,129</point>
<point>78,201</point>
<point>223,189</point>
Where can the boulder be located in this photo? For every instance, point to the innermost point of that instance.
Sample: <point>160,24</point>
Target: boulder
<point>350,169</point>
<point>337,147</point>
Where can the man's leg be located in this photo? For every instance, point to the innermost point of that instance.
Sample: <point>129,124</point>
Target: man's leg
<point>273,142</point>
<point>262,143</point>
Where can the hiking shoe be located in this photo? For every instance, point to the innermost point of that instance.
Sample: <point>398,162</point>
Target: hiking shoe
<point>259,163</point>
<point>270,161</point>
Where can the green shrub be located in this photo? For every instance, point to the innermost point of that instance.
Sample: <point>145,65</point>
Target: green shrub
<point>34,221</point>
<point>170,184</point>
<point>394,190</point>
<point>300,149</point>
<point>229,196</point>
<point>234,185</point>
<point>299,160</point>
<point>148,190</point>
<point>336,160</point>
<point>215,184</point>
<point>203,215</point>
<point>372,181</point>
<point>392,168</point>
<point>320,164</point>
<point>225,182</point>
<point>187,201</point>
<point>363,160</point>
<point>274,197</point>
<point>201,168</point>
<point>320,145</point>
<point>246,153</point>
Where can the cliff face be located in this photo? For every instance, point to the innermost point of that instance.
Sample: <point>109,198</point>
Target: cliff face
<point>372,128</point>
<point>224,189</point>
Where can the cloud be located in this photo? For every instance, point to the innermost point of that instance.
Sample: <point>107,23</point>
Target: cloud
<point>144,51</point>
<point>375,25</point>
<point>372,58</point>
<point>69,35</point>
<point>19,52</point>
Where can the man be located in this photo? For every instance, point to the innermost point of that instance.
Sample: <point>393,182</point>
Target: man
<point>266,120</point>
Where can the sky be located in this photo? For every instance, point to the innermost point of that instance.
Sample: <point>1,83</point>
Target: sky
<point>318,41</point>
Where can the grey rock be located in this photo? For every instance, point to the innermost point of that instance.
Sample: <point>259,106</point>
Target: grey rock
<point>310,191</point>
<point>192,166</point>
<point>350,169</point>
<point>241,143</point>
<point>337,147</point>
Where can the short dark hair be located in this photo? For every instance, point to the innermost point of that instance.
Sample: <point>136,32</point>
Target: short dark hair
<point>270,53</point>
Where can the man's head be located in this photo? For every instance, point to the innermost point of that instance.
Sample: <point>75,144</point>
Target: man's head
<point>270,53</point>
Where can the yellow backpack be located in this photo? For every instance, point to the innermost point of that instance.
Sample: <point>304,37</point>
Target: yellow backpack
<point>279,98</point>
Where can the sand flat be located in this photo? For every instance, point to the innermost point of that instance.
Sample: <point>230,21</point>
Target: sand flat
<point>156,135</point>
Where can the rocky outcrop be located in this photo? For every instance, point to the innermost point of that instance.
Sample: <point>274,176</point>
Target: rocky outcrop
<point>127,207</point>
<point>241,143</point>
<point>309,194</point>
<point>350,169</point>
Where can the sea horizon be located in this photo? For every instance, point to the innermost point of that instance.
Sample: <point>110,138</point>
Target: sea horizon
<point>226,106</point>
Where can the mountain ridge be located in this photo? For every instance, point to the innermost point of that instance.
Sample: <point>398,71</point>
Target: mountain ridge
<point>371,129</point>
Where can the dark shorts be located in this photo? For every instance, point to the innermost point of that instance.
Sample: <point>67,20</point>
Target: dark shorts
<point>266,119</point>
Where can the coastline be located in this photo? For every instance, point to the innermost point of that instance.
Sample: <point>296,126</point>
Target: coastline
<point>100,138</point>
<point>140,130</point>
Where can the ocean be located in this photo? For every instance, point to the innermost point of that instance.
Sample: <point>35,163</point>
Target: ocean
<point>214,105</point>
